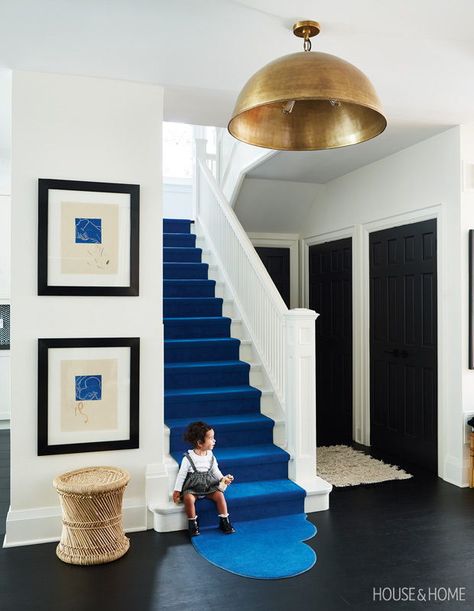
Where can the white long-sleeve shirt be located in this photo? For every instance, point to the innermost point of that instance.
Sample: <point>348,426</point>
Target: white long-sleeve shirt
<point>202,464</point>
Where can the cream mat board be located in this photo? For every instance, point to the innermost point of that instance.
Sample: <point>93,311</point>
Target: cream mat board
<point>343,466</point>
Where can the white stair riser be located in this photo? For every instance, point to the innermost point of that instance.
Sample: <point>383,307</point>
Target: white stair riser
<point>228,309</point>
<point>279,434</point>
<point>256,377</point>
<point>267,405</point>
<point>220,290</point>
<point>246,353</point>
<point>236,330</point>
<point>164,523</point>
<point>213,274</point>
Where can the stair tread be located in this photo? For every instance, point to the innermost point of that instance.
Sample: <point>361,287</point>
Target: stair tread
<point>207,364</point>
<point>260,453</point>
<point>195,318</point>
<point>182,248</point>
<point>189,283</point>
<point>232,419</point>
<point>213,390</point>
<point>185,263</point>
<point>187,280</point>
<point>173,233</point>
<point>276,488</point>
<point>200,340</point>
<point>200,299</point>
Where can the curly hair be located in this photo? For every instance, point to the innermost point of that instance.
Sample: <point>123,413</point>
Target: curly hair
<point>196,432</point>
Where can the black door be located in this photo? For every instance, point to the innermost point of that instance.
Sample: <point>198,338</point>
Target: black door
<point>403,342</point>
<point>330,294</point>
<point>277,262</point>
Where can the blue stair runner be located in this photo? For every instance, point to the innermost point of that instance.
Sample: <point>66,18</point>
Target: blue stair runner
<point>205,380</point>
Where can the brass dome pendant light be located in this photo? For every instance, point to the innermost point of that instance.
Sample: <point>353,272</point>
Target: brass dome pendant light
<point>307,101</point>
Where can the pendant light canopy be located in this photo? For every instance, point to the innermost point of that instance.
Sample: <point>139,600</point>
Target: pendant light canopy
<point>307,101</point>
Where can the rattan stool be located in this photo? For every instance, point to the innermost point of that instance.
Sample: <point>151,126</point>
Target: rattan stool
<point>91,503</point>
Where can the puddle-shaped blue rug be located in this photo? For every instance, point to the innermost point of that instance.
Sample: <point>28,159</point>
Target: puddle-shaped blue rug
<point>270,548</point>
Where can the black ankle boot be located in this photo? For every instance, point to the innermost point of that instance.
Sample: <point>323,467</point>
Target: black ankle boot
<point>193,528</point>
<point>226,526</point>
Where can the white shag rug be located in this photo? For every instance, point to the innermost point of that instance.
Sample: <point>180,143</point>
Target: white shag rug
<point>344,466</point>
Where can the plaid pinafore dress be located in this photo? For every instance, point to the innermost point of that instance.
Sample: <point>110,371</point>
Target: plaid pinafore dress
<point>199,483</point>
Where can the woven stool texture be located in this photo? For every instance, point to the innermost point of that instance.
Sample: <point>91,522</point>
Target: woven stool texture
<point>91,503</point>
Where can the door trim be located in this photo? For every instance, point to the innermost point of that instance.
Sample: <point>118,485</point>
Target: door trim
<point>332,236</point>
<point>361,317</point>
<point>282,240</point>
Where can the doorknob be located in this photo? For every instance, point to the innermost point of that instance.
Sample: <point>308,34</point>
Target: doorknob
<point>395,352</point>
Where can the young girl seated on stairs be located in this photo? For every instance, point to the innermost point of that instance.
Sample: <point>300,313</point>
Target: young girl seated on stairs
<point>199,477</point>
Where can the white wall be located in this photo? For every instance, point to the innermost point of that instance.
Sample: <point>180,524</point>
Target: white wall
<point>4,247</point>
<point>273,212</point>
<point>5,202</point>
<point>5,129</point>
<point>420,182</point>
<point>98,130</point>
<point>178,200</point>
<point>467,223</point>
<point>235,159</point>
<point>275,206</point>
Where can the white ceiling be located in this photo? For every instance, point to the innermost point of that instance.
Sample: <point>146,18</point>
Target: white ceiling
<point>419,55</point>
<point>322,166</point>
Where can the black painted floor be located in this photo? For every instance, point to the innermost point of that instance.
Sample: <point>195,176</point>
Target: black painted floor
<point>418,532</point>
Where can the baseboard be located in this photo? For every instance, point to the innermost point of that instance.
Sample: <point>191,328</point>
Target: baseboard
<point>4,421</point>
<point>43,524</point>
<point>455,472</point>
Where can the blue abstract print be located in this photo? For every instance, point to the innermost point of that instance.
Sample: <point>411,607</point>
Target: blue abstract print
<point>88,231</point>
<point>88,388</point>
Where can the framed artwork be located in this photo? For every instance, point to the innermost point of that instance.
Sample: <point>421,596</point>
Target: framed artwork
<point>4,326</point>
<point>88,394</point>
<point>88,238</point>
<point>471,299</point>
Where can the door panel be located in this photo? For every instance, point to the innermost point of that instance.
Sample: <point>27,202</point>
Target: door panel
<point>403,342</point>
<point>330,294</point>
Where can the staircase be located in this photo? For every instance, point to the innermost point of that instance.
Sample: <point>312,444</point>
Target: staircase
<point>205,380</point>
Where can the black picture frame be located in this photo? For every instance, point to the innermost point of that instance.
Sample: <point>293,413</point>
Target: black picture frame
<point>471,299</point>
<point>131,437</point>
<point>44,220</point>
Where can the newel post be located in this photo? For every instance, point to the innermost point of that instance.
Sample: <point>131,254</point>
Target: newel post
<point>200,147</point>
<point>300,398</point>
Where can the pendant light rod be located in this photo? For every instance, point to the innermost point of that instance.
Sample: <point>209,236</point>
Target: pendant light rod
<point>306,30</point>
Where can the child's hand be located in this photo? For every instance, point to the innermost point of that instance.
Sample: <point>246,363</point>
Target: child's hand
<point>228,479</point>
<point>177,497</point>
